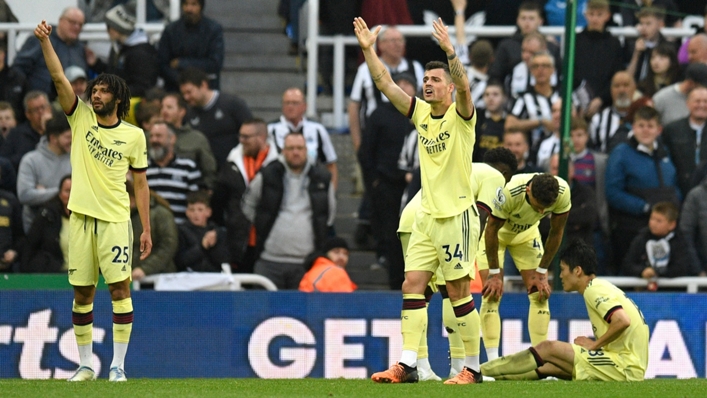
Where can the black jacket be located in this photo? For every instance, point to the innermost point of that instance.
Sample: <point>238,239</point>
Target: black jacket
<point>42,252</point>
<point>136,63</point>
<point>192,256</point>
<point>598,58</point>
<point>13,87</point>
<point>683,258</point>
<point>18,142</point>
<point>681,141</point>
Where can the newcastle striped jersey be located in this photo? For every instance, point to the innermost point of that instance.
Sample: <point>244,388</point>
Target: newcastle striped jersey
<point>603,126</point>
<point>173,182</point>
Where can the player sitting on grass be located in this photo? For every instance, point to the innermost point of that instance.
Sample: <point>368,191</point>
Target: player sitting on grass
<point>619,350</point>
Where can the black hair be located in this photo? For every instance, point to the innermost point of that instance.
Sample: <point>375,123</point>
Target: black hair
<point>199,197</point>
<point>503,156</point>
<point>579,253</point>
<point>117,87</point>
<point>57,125</point>
<point>545,188</point>
<point>181,103</point>
<point>194,76</point>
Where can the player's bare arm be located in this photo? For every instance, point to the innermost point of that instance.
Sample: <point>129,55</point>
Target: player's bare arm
<point>493,287</point>
<point>620,321</point>
<point>552,245</point>
<point>142,199</point>
<point>65,94</point>
<point>456,69</point>
<point>379,73</point>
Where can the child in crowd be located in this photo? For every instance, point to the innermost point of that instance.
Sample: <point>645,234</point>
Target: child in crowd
<point>660,250</point>
<point>664,70</point>
<point>327,269</point>
<point>202,245</point>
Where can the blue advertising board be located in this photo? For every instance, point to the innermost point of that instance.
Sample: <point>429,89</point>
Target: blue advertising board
<point>293,335</point>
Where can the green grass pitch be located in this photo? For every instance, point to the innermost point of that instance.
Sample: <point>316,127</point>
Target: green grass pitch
<point>346,388</point>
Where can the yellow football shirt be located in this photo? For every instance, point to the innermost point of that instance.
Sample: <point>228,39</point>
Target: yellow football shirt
<point>511,204</point>
<point>100,159</point>
<point>445,146</point>
<point>485,180</point>
<point>602,298</point>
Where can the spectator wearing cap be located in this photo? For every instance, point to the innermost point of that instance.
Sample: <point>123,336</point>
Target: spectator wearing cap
<point>77,78</point>
<point>327,269</point>
<point>193,41</point>
<point>131,57</point>
<point>381,143</point>
<point>671,101</point>
<point>29,61</point>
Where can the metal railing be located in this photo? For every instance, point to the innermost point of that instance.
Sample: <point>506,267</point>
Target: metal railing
<point>339,42</point>
<point>689,283</point>
<point>90,32</point>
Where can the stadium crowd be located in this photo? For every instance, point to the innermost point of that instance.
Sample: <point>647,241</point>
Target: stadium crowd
<point>229,187</point>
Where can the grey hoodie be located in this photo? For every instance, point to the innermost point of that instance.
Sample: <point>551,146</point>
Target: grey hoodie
<point>39,167</point>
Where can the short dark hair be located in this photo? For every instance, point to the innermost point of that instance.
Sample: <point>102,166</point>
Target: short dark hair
<point>530,6</point>
<point>34,94</point>
<point>200,196</point>
<point>646,113</point>
<point>503,156</point>
<point>57,125</point>
<point>598,5</point>
<point>496,83</point>
<point>181,103</point>
<point>145,111</point>
<point>437,65</point>
<point>202,3</point>
<point>116,86</point>
<point>194,76</point>
<point>668,209</point>
<point>481,53</point>
<point>154,94</point>
<point>579,253</point>
<point>545,188</point>
<point>5,106</point>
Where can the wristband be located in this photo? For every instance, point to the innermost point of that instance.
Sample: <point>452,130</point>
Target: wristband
<point>540,270</point>
<point>459,12</point>
<point>451,57</point>
<point>494,271</point>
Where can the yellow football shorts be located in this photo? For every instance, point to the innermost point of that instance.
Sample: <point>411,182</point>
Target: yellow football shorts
<point>602,365</point>
<point>526,253</point>
<point>449,243</point>
<point>96,245</point>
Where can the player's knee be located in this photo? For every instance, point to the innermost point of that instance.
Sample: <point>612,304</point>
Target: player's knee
<point>416,282</point>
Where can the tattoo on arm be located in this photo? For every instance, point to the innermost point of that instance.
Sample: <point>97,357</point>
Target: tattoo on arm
<point>456,69</point>
<point>379,76</point>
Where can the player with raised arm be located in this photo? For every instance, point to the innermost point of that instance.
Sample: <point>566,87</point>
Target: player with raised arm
<point>496,170</point>
<point>447,225</point>
<point>619,349</point>
<point>103,149</point>
<point>513,225</point>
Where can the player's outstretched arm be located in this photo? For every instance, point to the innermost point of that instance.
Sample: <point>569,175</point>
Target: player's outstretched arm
<point>65,94</point>
<point>465,107</point>
<point>142,199</point>
<point>379,73</point>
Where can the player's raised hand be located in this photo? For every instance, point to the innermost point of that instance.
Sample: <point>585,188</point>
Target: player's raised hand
<point>539,281</point>
<point>493,288</point>
<point>366,38</point>
<point>441,33</point>
<point>42,31</point>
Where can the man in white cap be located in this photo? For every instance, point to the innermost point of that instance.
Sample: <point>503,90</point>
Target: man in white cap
<point>132,57</point>
<point>79,81</point>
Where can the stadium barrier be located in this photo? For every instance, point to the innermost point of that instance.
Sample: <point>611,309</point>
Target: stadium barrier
<point>295,335</point>
<point>314,40</point>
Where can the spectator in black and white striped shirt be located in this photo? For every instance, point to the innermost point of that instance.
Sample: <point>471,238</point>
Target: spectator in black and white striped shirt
<point>605,123</point>
<point>521,79</point>
<point>320,150</point>
<point>167,174</point>
<point>531,112</point>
